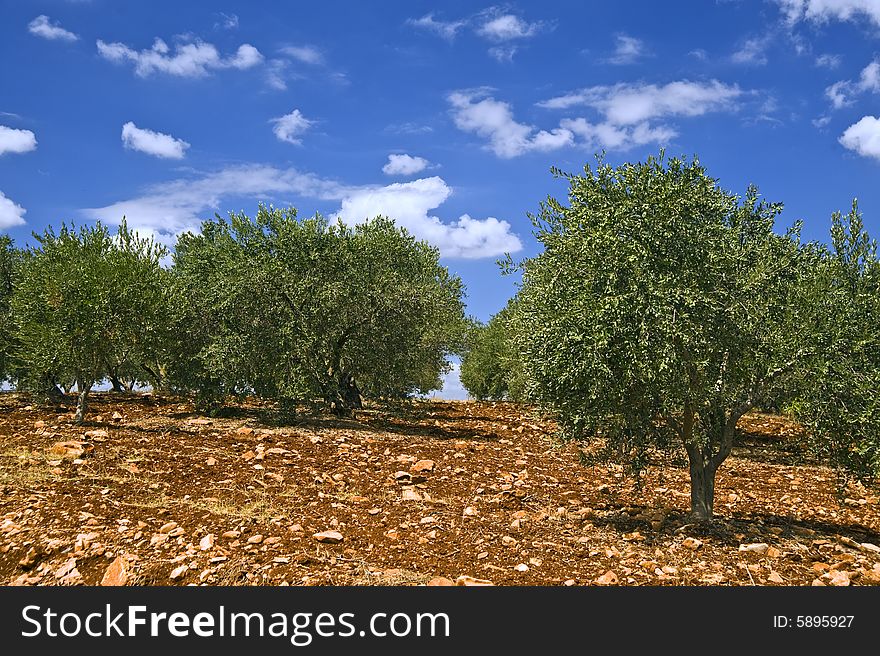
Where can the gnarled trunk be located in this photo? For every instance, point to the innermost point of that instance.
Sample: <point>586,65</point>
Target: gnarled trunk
<point>346,396</point>
<point>81,401</point>
<point>117,384</point>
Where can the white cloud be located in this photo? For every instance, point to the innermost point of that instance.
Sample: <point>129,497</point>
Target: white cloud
<point>153,143</point>
<point>404,165</point>
<point>226,22</point>
<point>821,11</point>
<point>498,26</point>
<point>752,52</point>
<point>627,50</point>
<point>821,121</point>
<point>473,111</point>
<point>863,137</point>
<point>16,141</point>
<point>503,54</point>
<point>290,126</point>
<point>409,204</point>
<point>841,93</point>
<point>828,61</point>
<point>452,388</point>
<point>190,58</point>
<point>699,54</point>
<point>445,29</point>
<point>629,104</point>
<point>42,27</point>
<point>613,137</point>
<point>304,54</point>
<point>10,213</point>
<point>165,210</point>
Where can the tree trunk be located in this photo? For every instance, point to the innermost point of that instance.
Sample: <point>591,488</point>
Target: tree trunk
<point>346,396</point>
<point>81,402</point>
<point>117,384</point>
<point>702,489</point>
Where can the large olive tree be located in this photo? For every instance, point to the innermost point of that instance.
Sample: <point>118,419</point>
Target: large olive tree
<point>86,303</point>
<point>661,310</point>
<point>296,309</point>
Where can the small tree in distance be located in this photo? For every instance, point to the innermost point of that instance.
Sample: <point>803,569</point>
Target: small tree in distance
<point>662,309</point>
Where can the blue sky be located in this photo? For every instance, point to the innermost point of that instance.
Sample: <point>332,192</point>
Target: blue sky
<point>446,116</point>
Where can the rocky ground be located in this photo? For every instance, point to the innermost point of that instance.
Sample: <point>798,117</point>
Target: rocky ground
<point>149,493</point>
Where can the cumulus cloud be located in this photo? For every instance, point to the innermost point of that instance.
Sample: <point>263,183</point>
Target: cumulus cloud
<point>11,214</point>
<point>473,111</point>
<point>628,115</point>
<point>304,54</point>
<point>153,143</point>
<point>410,203</point>
<point>445,29</point>
<point>16,141</point>
<point>41,26</point>
<point>822,11</point>
<point>627,104</point>
<point>189,59</point>
<point>499,26</point>
<point>404,165</point>
<point>863,137</point>
<point>290,126</point>
<point>842,93</point>
<point>627,50</point>
<point>167,209</point>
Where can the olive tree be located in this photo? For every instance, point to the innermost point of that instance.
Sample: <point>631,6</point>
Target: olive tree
<point>9,257</point>
<point>489,367</point>
<point>661,310</point>
<point>295,309</point>
<point>838,401</point>
<point>84,305</point>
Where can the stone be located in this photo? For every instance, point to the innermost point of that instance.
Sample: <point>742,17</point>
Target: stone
<point>116,416</point>
<point>231,534</point>
<point>440,581</point>
<point>116,573</point>
<point>775,578</point>
<point>422,466</point>
<point>30,559</point>
<point>211,461</point>
<point>692,543</point>
<point>66,569</point>
<point>837,578</point>
<point>255,539</point>
<point>608,578</point>
<point>522,567</point>
<point>178,572</point>
<point>756,548</point>
<point>97,434</point>
<point>470,511</point>
<point>206,542</point>
<point>329,537</point>
<point>470,581</point>
<point>167,528</point>
<point>71,449</point>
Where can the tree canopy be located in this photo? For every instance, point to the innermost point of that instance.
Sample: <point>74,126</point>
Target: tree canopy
<point>85,304</point>
<point>663,308</point>
<point>296,309</point>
